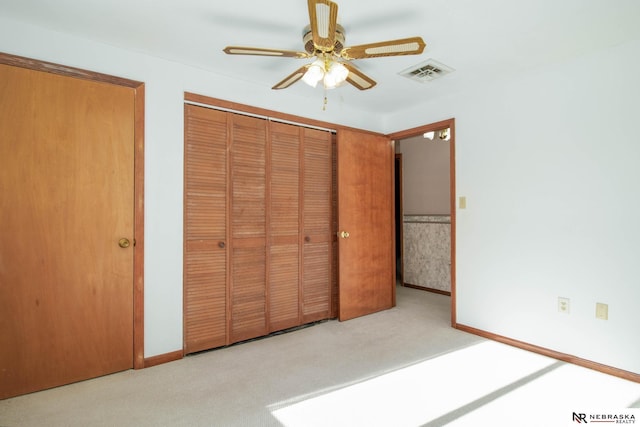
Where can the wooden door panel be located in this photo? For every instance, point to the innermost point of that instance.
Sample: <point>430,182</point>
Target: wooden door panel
<point>248,222</point>
<point>365,211</point>
<point>248,177</point>
<point>284,226</point>
<point>284,286</point>
<point>317,282</point>
<point>205,260</point>
<point>66,287</point>
<point>248,311</point>
<point>317,227</point>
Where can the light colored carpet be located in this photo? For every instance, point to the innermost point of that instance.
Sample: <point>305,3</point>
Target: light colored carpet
<point>401,367</point>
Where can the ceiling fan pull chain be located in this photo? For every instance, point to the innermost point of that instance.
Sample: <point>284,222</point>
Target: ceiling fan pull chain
<point>324,104</point>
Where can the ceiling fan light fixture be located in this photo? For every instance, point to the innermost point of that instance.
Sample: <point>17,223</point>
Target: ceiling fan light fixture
<point>335,75</point>
<point>332,73</point>
<point>314,73</point>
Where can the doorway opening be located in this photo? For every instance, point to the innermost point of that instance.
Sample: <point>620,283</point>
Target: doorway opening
<point>425,208</point>
<point>398,218</point>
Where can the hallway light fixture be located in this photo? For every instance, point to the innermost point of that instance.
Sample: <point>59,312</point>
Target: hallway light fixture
<point>443,134</point>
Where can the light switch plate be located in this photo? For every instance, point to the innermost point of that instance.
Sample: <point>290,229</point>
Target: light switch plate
<point>462,202</point>
<point>602,311</point>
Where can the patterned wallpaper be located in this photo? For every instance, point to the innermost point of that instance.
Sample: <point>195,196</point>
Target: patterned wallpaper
<point>427,251</point>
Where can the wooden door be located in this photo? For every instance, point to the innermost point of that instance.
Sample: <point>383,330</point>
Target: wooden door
<point>284,226</point>
<point>66,180</point>
<point>205,232</point>
<point>300,240</point>
<point>365,212</point>
<point>258,227</point>
<point>248,227</point>
<point>317,233</point>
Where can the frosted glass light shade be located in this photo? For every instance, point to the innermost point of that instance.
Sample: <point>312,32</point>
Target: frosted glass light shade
<point>332,74</point>
<point>335,76</point>
<point>314,73</point>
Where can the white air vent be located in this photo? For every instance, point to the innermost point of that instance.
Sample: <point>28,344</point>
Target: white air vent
<point>426,71</point>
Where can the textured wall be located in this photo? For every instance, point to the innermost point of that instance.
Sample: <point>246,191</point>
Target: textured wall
<point>427,251</point>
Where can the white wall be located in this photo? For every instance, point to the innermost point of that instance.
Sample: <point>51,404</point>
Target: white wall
<point>165,84</point>
<point>549,163</point>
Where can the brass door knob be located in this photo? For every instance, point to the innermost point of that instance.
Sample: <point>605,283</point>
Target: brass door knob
<point>343,234</point>
<point>124,242</point>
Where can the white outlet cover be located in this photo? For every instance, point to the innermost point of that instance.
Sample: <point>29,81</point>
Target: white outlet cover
<point>563,305</point>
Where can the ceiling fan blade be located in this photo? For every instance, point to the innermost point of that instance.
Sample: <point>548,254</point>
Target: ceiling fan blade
<point>240,50</point>
<point>323,17</point>
<point>408,46</point>
<point>357,78</point>
<point>292,78</point>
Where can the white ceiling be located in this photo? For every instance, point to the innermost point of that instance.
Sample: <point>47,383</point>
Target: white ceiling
<point>481,39</point>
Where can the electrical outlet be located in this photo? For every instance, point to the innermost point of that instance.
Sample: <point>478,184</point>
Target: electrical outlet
<point>563,305</point>
<point>602,311</point>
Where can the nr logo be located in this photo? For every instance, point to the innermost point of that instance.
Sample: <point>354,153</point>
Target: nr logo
<point>580,418</point>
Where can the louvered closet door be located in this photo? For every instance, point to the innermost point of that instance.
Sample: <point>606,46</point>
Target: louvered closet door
<point>317,229</point>
<point>258,227</point>
<point>248,227</point>
<point>205,276</point>
<point>284,226</point>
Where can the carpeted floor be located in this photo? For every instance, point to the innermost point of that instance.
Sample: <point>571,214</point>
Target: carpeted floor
<point>401,367</point>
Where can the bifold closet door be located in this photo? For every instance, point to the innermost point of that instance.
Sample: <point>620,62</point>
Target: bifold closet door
<point>284,226</point>
<point>317,230</point>
<point>248,223</point>
<point>300,225</point>
<point>258,227</point>
<point>205,245</point>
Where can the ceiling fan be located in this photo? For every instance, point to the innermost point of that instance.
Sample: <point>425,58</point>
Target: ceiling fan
<point>324,40</point>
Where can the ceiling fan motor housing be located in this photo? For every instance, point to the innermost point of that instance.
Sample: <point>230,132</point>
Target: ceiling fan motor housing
<point>307,39</point>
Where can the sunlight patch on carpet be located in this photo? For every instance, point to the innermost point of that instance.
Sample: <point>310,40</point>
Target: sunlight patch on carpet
<point>414,395</point>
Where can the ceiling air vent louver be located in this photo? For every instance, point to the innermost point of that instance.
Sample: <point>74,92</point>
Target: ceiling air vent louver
<point>426,71</point>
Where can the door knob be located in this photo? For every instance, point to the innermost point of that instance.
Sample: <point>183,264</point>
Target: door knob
<point>343,234</point>
<point>221,245</point>
<point>124,242</point>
